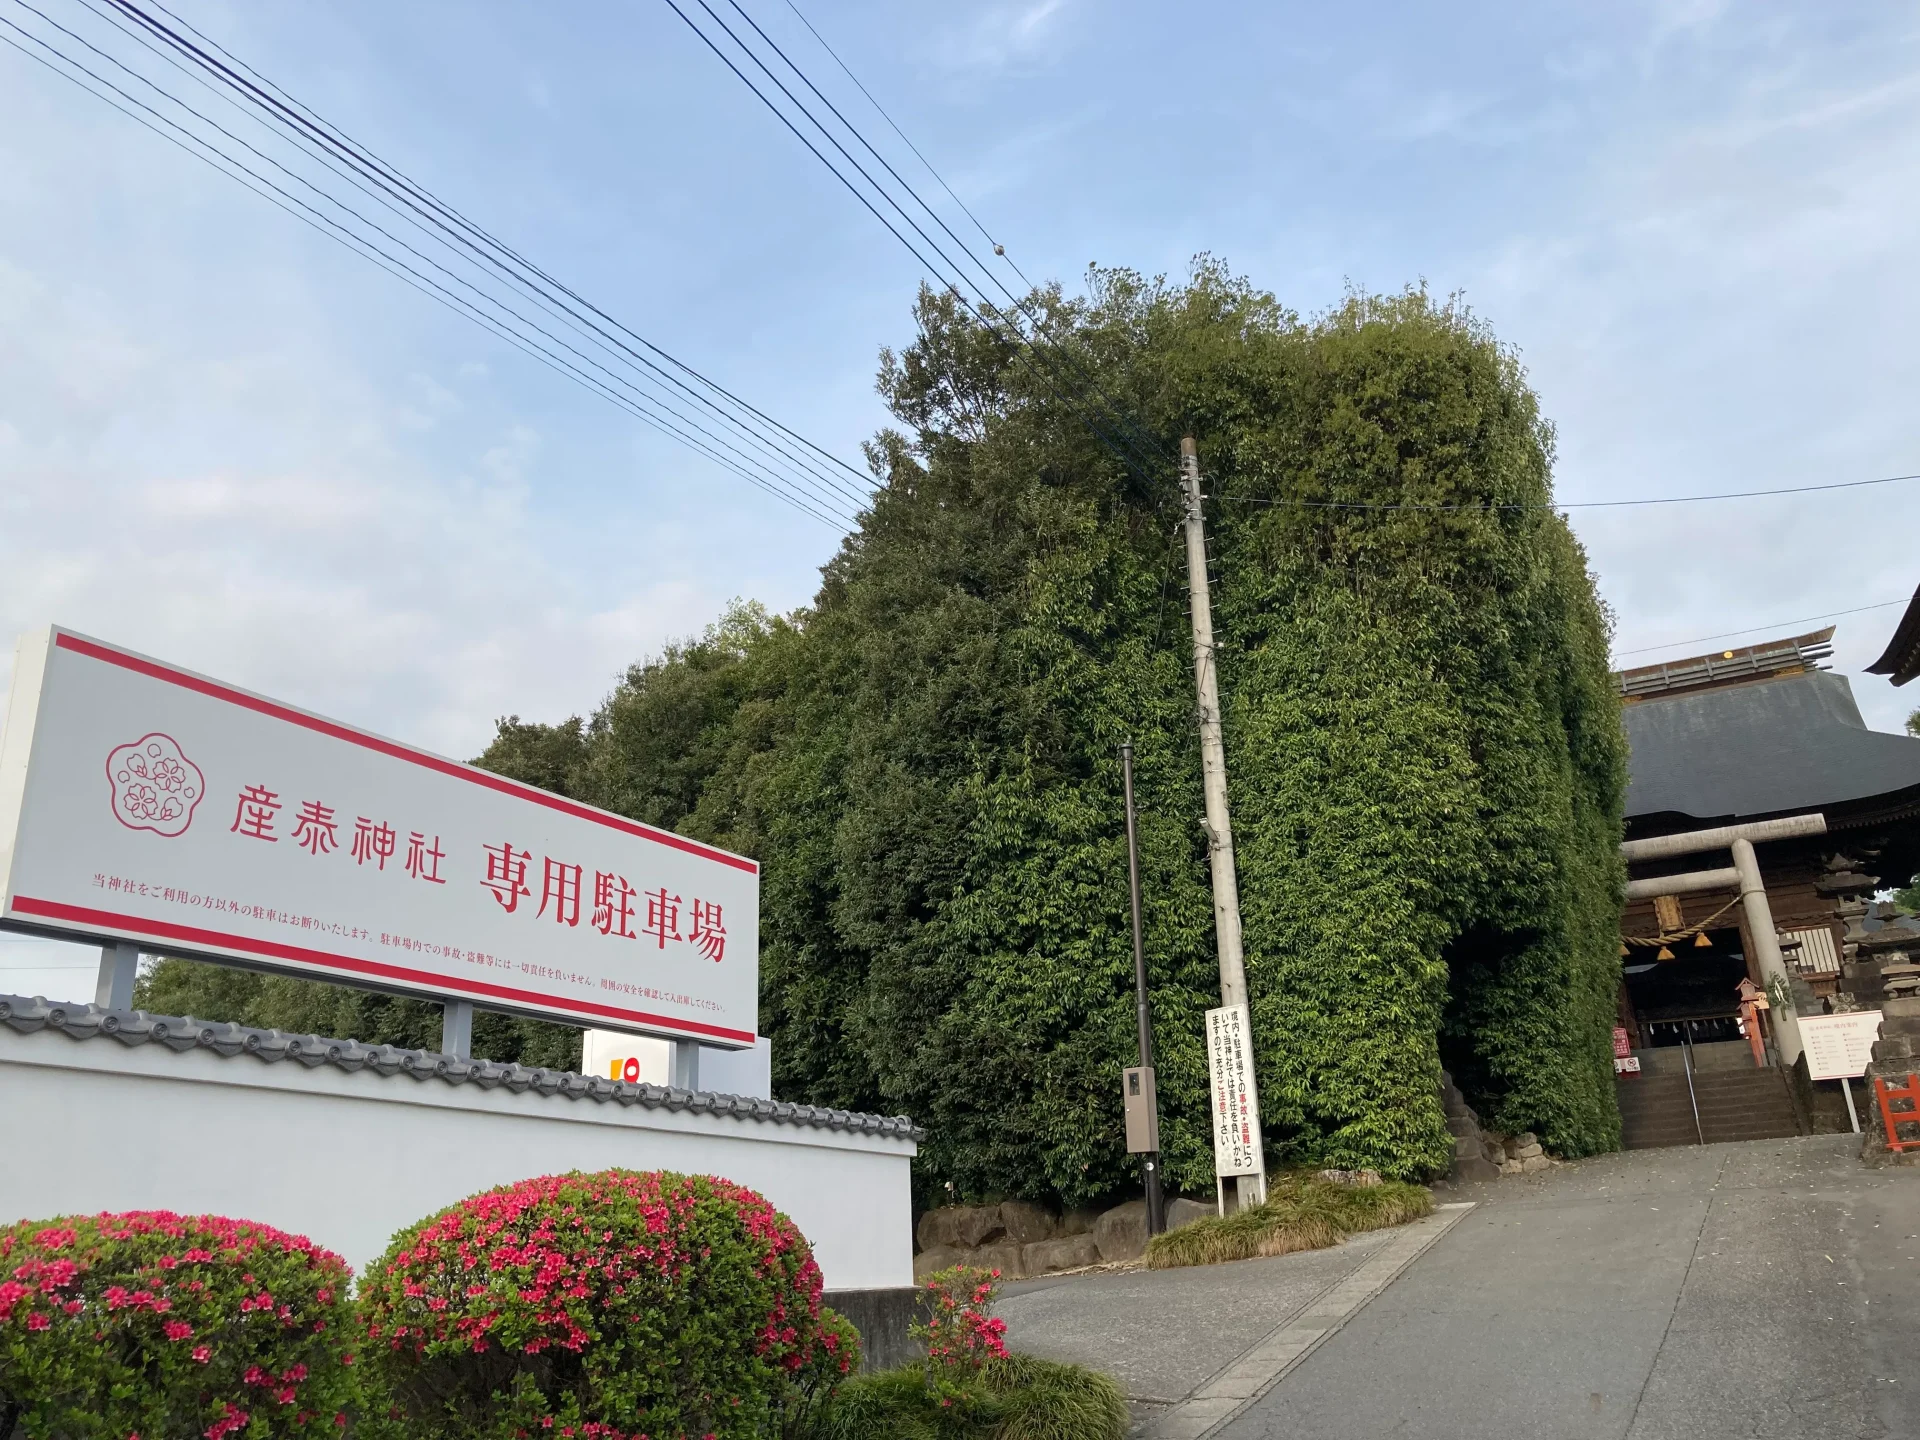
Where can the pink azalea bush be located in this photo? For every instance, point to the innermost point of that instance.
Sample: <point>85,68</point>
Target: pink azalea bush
<point>960,1331</point>
<point>161,1325</point>
<point>619,1305</point>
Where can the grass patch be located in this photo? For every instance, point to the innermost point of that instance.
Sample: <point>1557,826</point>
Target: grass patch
<point>1301,1213</point>
<point>1018,1398</point>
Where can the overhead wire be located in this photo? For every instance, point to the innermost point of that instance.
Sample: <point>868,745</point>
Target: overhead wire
<point>429,213</point>
<point>492,312</point>
<point>1754,629</point>
<point>636,404</point>
<point>1086,378</point>
<point>1023,353</point>
<point>1284,502</point>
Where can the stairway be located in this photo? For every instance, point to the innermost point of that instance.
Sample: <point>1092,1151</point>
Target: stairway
<point>1734,1105</point>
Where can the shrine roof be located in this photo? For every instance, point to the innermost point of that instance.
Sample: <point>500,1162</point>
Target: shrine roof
<point>1766,747</point>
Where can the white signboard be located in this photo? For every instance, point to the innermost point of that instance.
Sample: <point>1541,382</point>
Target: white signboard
<point>1839,1045</point>
<point>146,803</point>
<point>1236,1103</point>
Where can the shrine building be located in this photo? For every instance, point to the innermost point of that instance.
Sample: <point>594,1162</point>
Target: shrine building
<point>1757,756</point>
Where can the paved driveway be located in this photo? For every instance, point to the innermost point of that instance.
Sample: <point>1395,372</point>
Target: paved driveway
<point>1769,1289</point>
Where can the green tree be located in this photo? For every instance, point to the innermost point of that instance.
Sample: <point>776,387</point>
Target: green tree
<point>1424,746</point>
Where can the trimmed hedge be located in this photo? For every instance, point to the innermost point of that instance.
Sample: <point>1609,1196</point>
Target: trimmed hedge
<point>155,1324</point>
<point>608,1305</point>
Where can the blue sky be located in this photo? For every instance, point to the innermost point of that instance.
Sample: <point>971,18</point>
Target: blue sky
<point>227,441</point>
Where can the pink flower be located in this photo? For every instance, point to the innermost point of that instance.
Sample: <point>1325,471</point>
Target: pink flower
<point>178,1330</point>
<point>202,1354</point>
<point>38,1320</point>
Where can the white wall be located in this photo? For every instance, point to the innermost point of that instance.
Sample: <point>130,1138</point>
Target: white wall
<point>350,1157</point>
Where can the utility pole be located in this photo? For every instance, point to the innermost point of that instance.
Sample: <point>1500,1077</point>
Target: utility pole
<point>1250,1189</point>
<point>1143,1014</point>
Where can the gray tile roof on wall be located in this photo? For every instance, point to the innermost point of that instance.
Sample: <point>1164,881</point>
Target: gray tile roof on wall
<point>136,1027</point>
<point>1772,747</point>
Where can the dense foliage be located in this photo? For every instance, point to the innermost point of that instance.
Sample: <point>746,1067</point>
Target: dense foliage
<point>150,1323</point>
<point>1426,760</point>
<point>615,1305</point>
<point>1016,1398</point>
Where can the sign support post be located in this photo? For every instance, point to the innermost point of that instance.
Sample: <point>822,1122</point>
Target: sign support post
<point>119,968</point>
<point>456,1029</point>
<point>1853,1115</point>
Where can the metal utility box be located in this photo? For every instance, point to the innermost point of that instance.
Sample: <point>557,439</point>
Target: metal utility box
<point>1143,1109</point>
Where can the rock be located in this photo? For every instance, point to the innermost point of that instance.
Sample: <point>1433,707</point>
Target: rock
<point>1464,1126</point>
<point>1025,1224</point>
<point>1533,1164</point>
<point>935,1257</point>
<point>1509,1167</point>
<point>976,1224</point>
<point>1526,1152</point>
<point>1366,1179</point>
<point>1071,1252</point>
<point>1494,1148</point>
<point>1121,1233</point>
<point>1476,1167</point>
<point>1517,1143</point>
<point>1185,1212</point>
<point>935,1227</point>
<point>1076,1222</point>
<point>1001,1255</point>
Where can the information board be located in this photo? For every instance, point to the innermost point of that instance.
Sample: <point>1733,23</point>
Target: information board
<point>142,802</point>
<point>1839,1045</point>
<point>1236,1103</point>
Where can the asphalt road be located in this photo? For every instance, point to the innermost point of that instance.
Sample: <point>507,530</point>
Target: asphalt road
<point>1765,1290</point>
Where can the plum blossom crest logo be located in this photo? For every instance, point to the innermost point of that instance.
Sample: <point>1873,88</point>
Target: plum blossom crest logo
<point>155,786</point>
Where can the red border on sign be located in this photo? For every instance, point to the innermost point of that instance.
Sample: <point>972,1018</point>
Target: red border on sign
<point>484,778</point>
<point>268,949</point>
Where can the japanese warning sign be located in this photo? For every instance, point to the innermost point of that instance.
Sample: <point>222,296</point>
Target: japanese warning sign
<point>146,803</point>
<point>1236,1104</point>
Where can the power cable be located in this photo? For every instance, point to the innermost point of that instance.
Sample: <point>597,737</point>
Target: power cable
<point>1020,352</point>
<point>1088,380</point>
<point>774,480</point>
<point>1752,629</point>
<point>437,291</point>
<point>431,214</point>
<point>1564,504</point>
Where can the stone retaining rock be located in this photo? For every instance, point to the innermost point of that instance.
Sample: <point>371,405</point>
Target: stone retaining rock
<point>1185,1212</point>
<point>1024,1223</point>
<point>1070,1252</point>
<point>936,1257</point>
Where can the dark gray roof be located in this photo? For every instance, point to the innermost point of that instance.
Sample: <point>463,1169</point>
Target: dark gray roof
<point>1772,747</point>
<point>136,1027</point>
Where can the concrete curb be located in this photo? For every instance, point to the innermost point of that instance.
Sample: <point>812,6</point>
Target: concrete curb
<point>1267,1362</point>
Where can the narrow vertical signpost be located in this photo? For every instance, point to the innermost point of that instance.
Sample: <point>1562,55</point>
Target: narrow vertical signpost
<point>1235,1101</point>
<point>1140,1098</point>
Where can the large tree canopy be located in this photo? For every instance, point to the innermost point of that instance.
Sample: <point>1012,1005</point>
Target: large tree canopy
<point>1424,748</point>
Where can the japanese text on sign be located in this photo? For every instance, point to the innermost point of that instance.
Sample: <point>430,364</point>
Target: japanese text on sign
<point>1236,1106</point>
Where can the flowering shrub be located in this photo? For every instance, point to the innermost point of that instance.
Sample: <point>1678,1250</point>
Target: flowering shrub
<point>619,1305</point>
<point>161,1325</point>
<point>960,1331</point>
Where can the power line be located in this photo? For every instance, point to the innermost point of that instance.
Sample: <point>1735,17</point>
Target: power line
<point>448,226</point>
<point>778,470</point>
<point>1777,625</point>
<point>1087,379</point>
<point>1468,506</point>
<point>952,276</point>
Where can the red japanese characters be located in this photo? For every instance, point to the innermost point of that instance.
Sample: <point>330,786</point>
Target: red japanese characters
<point>612,912</point>
<point>155,786</point>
